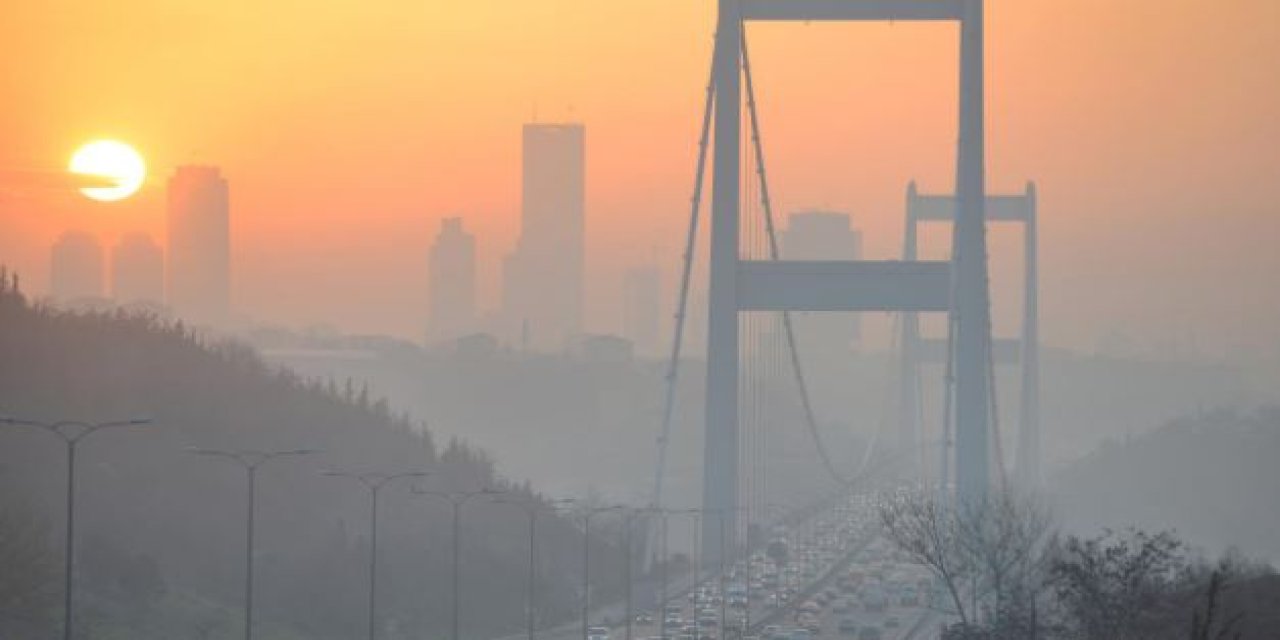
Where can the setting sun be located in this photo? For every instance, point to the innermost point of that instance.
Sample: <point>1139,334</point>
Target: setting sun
<point>114,161</point>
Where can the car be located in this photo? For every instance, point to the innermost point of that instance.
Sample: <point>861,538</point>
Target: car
<point>801,634</point>
<point>597,633</point>
<point>847,627</point>
<point>892,622</point>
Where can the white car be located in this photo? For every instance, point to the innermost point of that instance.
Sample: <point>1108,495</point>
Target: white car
<point>597,633</point>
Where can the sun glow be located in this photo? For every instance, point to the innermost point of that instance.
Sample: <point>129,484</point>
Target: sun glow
<point>114,161</point>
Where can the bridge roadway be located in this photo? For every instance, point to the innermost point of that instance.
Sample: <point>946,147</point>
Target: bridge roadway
<point>822,549</point>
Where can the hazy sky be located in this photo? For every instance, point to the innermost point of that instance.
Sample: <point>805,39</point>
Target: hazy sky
<point>347,129</point>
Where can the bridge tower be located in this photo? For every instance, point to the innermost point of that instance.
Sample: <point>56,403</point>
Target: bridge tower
<point>1023,351</point>
<point>738,285</point>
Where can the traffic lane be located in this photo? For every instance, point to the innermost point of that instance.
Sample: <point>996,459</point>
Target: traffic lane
<point>905,618</point>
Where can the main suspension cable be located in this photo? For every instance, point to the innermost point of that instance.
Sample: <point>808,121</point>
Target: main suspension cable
<point>682,304</point>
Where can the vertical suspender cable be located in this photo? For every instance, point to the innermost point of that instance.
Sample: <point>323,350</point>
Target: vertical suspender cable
<point>788,331</point>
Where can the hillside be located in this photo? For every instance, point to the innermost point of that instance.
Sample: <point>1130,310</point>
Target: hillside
<point>1204,476</point>
<point>160,532</point>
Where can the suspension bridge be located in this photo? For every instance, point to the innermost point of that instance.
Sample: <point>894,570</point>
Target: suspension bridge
<point>749,279</point>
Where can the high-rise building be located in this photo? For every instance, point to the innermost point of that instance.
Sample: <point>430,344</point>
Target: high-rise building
<point>543,277</point>
<point>641,318</point>
<point>76,267</point>
<point>452,283</point>
<point>823,235</point>
<point>137,270</point>
<point>199,280</point>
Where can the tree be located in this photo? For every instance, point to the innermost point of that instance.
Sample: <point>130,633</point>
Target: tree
<point>1119,586</point>
<point>1005,539</point>
<point>992,553</point>
<point>29,583</point>
<point>920,527</point>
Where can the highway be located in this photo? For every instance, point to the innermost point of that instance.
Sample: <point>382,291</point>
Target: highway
<point>839,580</point>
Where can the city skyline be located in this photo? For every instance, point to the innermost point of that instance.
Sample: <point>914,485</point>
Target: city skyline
<point>397,156</point>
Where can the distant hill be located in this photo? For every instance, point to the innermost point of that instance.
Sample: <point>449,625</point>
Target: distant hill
<point>1214,478</point>
<point>160,531</point>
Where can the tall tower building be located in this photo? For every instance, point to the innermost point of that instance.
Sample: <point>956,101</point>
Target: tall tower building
<point>641,293</point>
<point>76,267</point>
<point>823,235</point>
<point>452,282</point>
<point>199,281</point>
<point>543,277</point>
<point>137,270</point>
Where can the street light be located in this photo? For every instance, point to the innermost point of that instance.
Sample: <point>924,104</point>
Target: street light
<point>627,523</point>
<point>531,509</point>
<point>250,460</point>
<point>374,483</point>
<point>587,514</point>
<point>71,432</point>
<point>697,525</point>
<point>666,562</point>
<point>720,515</point>
<point>456,500</point>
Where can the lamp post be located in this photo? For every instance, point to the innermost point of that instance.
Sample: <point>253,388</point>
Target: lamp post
<point>666,562</point>
<point>531,509</point>
<point>627,522</point>
<point>697,525</point>
<point>71,432</point>
<point>456,500</point>
<point>250,461</point>
<point>374,483</point>
<point>587,514</point>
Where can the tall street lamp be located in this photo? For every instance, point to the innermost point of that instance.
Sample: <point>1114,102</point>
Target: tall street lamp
<point>374,483</point>
<point>587,515</point>
<point>666,562</point>
<point>71,432</point>
<point>720,531</point>
<point>627,541</point>
<point>250,461</point>
<point>456,500</point>
<point>531,509</point>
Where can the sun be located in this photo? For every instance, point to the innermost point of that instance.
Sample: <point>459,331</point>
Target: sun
<point>114,161</point>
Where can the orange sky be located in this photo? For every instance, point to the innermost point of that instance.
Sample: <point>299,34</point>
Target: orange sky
<point>347,129</point>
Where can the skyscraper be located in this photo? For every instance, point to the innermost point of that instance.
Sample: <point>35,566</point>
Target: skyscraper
<point>137,270</point>
<point>641,292</point>
<point>543,277</point>
<point>452,282</point>
<point>76,267</point>
<point>823,235</point>
<point>199,287</point>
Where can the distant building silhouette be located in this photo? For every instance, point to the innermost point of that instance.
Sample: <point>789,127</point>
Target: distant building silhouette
<point>76,269</point>
<point>641,302</point>
<point>137,270</point>
<point>543,277</point>
<point>823,235</point>
<point>199,280</point>
<point>452,283</point>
